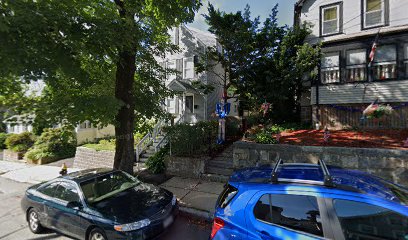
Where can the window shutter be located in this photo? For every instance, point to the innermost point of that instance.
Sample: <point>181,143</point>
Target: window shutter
<point>177,36</point>
<point>179,68</point>
<point>195,60</point>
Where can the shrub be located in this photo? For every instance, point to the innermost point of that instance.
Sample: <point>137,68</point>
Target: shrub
<point>20,142</point>
<point>193,140</point>
<point>53,144</point>
<point>103,144</point>
<point>155,163</point>
<point>3,137</point>
<point>265,138</point>
<point>233,127</point>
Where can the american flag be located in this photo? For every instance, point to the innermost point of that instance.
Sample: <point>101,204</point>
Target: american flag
<point>373,49</point>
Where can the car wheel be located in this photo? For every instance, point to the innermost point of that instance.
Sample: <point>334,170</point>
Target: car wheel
<point>34,222</point>
<point>97,234</point>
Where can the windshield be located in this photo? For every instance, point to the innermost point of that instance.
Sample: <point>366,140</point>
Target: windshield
<point>107,185</point>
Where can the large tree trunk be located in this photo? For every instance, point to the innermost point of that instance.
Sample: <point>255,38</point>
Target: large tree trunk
<point>125,73</point>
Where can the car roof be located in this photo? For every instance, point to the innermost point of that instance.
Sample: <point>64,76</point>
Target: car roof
<point>351,181</point>
<point>87,174</point>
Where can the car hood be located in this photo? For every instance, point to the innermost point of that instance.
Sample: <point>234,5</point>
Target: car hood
<point>134,204</point>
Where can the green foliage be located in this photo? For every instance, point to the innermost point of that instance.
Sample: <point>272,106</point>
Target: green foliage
<point>265,138</point>
<point>262,62</point>
<point>233,127</point>
<point>276,128</point>
<point>155,163</point>
<point>53,144</point>
<point>3,137</point>
<point>193,140</point>
<point>103,144</point>
<point>96,57</point>
<point>20,142</point>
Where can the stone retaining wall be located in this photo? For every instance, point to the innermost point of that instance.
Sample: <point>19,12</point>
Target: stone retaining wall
<point>387,163</point>
<point>185,166</point>
<point>90,158</point>
<point>9,155</point>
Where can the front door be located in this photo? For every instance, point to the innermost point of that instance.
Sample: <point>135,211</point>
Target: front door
<point>189,104</point>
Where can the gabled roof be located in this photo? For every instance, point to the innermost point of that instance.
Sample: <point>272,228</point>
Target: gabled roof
<point>299,3</point>
<point>205,37</point>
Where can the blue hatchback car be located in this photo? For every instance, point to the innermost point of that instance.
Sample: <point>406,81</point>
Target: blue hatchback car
<point>310,201</point>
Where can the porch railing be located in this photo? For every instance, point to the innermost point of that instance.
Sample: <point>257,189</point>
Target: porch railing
<point>149,138</point>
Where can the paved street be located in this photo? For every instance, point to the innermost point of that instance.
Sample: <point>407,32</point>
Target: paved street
<point>14,227</point>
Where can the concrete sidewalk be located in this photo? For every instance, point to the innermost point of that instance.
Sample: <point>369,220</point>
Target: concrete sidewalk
<point>27,173</point>
<point>196,197</point>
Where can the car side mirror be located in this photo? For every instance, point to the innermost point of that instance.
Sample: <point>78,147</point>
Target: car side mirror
<point>74,205</point>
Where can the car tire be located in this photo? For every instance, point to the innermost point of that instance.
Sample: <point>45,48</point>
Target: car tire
<point>97,234</point>
<point>34,221</point>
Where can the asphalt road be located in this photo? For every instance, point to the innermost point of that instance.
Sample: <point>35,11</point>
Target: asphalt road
<point>14,227</point>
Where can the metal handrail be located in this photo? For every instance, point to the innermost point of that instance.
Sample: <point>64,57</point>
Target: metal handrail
<point>141,146</point>
<point>152,135</point>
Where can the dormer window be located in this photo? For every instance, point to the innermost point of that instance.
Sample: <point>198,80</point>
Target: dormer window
<point>331,18</point>
<point>374,13</point>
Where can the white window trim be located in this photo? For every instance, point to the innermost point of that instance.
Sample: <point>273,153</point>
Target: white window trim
<point>337,6</point>
<point>382,15</point>
<point>185,68</point>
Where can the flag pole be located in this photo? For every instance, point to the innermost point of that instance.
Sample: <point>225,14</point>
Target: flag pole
<point>372,56</point>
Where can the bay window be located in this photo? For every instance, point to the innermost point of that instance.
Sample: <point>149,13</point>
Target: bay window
<point>374,13</point>
<point>330,19</point>
<point>356,65</point>
<point>385,63</point>
<point>330,68</point>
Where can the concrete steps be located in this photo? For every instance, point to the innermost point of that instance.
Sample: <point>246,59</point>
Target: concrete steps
<point>220,168</point>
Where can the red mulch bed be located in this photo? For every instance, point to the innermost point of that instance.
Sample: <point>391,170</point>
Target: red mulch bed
<point>393,139</point>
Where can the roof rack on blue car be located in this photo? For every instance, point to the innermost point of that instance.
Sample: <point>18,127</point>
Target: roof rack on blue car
<point>327,181</point>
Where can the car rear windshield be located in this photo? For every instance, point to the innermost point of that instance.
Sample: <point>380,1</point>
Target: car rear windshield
<point>105,186</point>
<point>227,195</point>
<point>400,192</point>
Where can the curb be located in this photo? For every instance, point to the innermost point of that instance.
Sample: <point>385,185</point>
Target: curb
<point>200,214</point>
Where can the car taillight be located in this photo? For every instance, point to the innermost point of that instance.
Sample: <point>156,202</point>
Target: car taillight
<point>218,223</point>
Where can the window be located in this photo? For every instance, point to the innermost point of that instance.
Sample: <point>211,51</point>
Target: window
<point>406,59</point>
<point>385,63</point>
<point>374,13</point>
<point>330,68</point>
<point>171,65</point>
<point>85,125</point>
<point>171,105</point>
<point>365,221</point>
<point>330,19</point>
<point>48,189</point>
<point>188,68</point>
<point>175,35</point>
<point>295,212</point>
<point>226,196</point>
<point>67,192</point>
<point>356,65</point>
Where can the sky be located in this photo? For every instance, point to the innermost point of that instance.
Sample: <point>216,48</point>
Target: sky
<point>260,8</point>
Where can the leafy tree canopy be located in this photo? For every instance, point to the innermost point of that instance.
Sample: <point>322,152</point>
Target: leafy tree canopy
<point>95,56</point>
<point>261,61</point>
